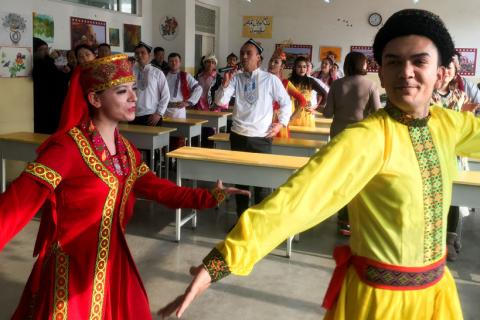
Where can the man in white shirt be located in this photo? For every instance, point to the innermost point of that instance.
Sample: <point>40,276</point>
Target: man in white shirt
<point>184,89</point>
<point>255,91</point>
<point>152,89</point>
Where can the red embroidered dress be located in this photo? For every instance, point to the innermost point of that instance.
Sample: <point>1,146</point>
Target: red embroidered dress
<point>84,268</point>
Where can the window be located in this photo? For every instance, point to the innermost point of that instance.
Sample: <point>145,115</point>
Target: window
<point>125,6</point>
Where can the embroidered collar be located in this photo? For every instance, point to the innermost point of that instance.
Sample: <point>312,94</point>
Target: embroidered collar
<point>118,163</point>
<point>404,118</point>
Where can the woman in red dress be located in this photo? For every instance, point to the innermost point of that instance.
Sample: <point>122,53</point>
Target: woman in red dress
<point>86,177</point>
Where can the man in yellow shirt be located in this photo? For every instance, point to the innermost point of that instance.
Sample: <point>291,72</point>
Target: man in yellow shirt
<point>398,188</point>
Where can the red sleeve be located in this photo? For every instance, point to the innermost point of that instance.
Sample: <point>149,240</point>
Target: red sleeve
<point>18,204</point>
<point>164,191</point>
<point>296,94</point>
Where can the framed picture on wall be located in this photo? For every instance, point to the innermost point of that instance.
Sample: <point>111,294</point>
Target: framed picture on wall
<point>43,27</point>
<point>15,29</point>
<point>15,62</point>
<point>293,51</point>
<point>372,65</point>
<point>331,52</point>
<point>114,37</point>
<point>257,26</point>
<point>132,35</point>
<point>468,61</point>
<point>86,31</point>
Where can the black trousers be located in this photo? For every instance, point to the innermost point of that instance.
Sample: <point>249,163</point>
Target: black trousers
<point>250,144</point>
<point>143,120</point>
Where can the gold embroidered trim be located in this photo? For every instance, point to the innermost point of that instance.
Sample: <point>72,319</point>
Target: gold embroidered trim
<point>60,299</point>
<point>44,173</point>
<point>216,266</point>
<point>219,194</point>
<point>98,294</point>
<point>113,83</point>
<point>130,180</point>
<point>143,169</point>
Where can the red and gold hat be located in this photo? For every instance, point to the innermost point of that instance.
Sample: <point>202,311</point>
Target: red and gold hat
<point>107,72</point>
<point>279,54</point>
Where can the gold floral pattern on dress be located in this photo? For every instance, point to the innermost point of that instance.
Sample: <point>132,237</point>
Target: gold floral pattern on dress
<point>216,266</point>
<point>219,194</point>
<point>143,170</point>
<point>44,173</point>
<point>60,297</point>
<point>100,273</point>
<point>130,180</point>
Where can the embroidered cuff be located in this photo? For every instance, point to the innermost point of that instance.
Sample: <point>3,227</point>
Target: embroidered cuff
<point>219,194</point>
<point>44,173</point>
<point>216,266</point>
<point>142,170</point>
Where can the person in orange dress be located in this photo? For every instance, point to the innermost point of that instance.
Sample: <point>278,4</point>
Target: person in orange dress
<point>276,66</point>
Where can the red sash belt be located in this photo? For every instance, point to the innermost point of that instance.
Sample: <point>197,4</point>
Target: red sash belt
<point>380,275</point>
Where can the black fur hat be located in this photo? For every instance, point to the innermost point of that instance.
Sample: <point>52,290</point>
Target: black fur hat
<point>415,22</point>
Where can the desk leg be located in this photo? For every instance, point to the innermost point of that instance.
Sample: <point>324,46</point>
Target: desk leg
<point>152,160</point>
<point>194,211</point>
<point>289,247</point>
<point>3,175</point>
<point>178,212</point>
<point>167,161</point>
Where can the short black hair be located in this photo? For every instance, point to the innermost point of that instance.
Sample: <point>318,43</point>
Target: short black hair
<point>104,45</point>
<point>158,49</point>
<point>83,46</point>
<point>175,54</point>
<point>232,55</point>
<point>415,22</point>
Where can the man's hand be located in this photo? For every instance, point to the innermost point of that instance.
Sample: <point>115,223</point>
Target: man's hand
<point>154,119</point>
<point>274,130</point>
<point>199,284</point>
<point>470,106</point>
<point>226,78</point>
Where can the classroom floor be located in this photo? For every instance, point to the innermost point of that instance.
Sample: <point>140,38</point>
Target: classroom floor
<point>278,288</point>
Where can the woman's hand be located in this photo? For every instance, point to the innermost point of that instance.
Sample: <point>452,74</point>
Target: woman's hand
<point>201,281</point>
<point>232,191</point>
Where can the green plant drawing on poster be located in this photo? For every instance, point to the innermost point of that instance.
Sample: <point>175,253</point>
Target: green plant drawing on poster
<point>43,27</point>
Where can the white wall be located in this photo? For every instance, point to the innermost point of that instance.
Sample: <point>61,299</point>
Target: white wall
<point>314,22</point>
<point>184,12</point>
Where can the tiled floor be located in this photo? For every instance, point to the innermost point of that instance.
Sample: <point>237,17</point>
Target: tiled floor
<point>278,288</point>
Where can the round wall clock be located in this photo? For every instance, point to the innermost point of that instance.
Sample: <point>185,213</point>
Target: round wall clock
<point>375,19</point>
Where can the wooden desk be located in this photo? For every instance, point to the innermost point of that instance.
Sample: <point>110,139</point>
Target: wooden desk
<point>18,146</point>
<point>188,128</point>
<point>215,120</point>
<point>149,138</point>
<point>285,146</point>
<point>262,170</point>
<point>323,122</point>
<point>308,133</point>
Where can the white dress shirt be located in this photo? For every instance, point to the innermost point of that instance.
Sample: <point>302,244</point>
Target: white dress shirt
<point>173,80</point>
<point>255,93</point>
<point>152,90</point>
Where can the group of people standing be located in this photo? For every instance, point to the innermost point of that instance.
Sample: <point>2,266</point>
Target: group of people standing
<point>394,169</point>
